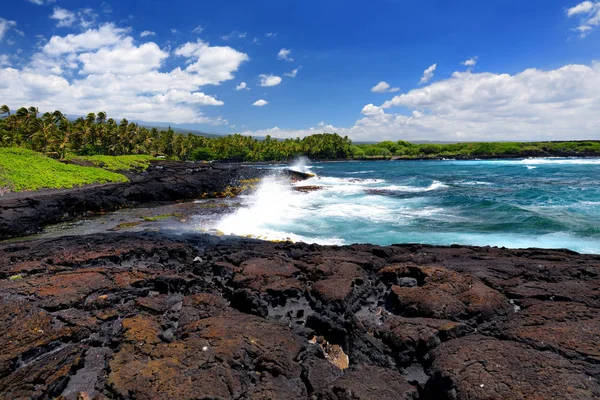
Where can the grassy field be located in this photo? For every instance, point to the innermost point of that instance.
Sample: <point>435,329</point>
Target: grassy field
<point>22,169</point>
<point>117,163</point>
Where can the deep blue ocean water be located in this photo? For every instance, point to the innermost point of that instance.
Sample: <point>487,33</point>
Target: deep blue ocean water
<point>549,203</point>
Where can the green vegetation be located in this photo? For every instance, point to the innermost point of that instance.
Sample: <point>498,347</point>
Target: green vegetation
<point>406,150</point>
<point>123,145</point>
<point>22,169</point>
<point>161,217</point>
<point>138,162</point>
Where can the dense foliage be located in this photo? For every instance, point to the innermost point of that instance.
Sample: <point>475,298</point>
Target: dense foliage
<point>138,162</point>
<point>97,135</point>
<point>408,150</point>
<point>22,169</point>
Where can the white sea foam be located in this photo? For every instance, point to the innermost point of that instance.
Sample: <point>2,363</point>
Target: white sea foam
<point>531,166</point>
<point>301,164</point>
<point>415,189</point>
<point>567,161</point>
<point>359,172</point>
<point>475,183</point>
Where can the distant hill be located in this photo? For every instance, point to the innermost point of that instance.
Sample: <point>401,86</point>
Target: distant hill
<point>197,132</point>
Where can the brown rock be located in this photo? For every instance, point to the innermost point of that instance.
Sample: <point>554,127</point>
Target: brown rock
<point>477,367</point>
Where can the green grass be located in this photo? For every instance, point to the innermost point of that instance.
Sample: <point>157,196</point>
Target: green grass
<point>117,163</point>
<point>161,216</point>
<point>22,169</point>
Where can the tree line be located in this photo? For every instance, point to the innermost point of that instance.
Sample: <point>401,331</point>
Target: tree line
<point>96,134</point>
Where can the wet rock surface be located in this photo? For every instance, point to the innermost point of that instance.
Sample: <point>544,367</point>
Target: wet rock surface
<point>28,212</point>
<point>194,316</point>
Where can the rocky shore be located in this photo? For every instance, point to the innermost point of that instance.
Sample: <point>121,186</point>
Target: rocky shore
<point>161,315</point>
<point>150,316</point>
<point>26,213</point>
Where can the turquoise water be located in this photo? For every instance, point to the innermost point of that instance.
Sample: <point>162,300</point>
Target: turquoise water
<point>549,203</point>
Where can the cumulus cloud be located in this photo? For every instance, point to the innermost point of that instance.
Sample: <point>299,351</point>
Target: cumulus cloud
<point>104,69</point>
<point>580,8</point>
<point>147,33</point>
<point>215,63</point>
<point>284,54</point>
<point>384,87</point>
<point>470,63</point>
<point>5,26</point>
<point>242,86</point>
<point>260,103</point>
<point>4,60</point>
<point>428,74</point>
<point>182,96</point>
<point>588,13</point>
<point>125,58</point>
<point>234,34</point>
<point>92,39</point>
<point>371,109</point>
<point>41,2</point>
<point>65,18</point>
<point>532,105</point>
<point>269,80</point>
<point>294,72</point>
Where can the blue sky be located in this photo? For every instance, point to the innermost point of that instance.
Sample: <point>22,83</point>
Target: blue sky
<point>498,70</point>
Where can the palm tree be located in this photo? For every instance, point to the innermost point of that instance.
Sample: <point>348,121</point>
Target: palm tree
<point>5,110</point>
<point>43,129</point>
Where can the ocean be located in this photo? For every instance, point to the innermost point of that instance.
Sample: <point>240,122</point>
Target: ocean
<point>542,202</point>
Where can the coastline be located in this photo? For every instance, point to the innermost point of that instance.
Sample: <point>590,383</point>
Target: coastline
<point>93,315</point>
<point>226,317</point>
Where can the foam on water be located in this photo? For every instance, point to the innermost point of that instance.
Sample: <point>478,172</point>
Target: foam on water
<point>435,202</point>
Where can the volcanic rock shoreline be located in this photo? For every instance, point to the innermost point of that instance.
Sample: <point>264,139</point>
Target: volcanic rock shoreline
<point>26,213</point>
<point>194,316</point>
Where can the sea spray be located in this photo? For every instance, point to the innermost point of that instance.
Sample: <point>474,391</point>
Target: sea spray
<point>301,164</point>
<point>498,202</point>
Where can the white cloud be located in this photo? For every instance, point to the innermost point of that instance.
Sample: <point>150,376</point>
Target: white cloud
<point>234,34</point>
<point>284,54</point>
<point>182,96</point>
<point>371,109</point>
<point>383,87</point>
<point>560,104</point>
<point>470,62</point>
<point>64,17</point>
<point>294,72</point>
<point>260,103</point>
<point>5,26</point>
<point>4,60</point>
<point>91,39</point>
<point>147,33</point>
<point>42,2</point>
<point>124,58</point>
<point>589,16</point>
<point>428,74</point>
<point>270,34</point>
<point>580,8</point>
<point>215,63</point>
<point>198,30</point>
<point>269,80</point>
<point>104,69</point>
<point>242,86</point>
